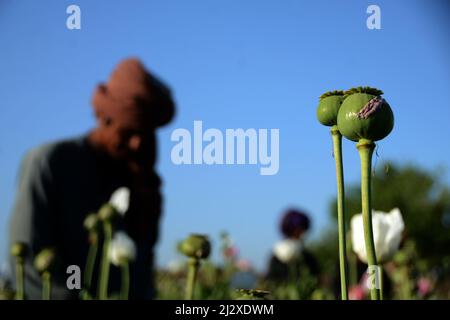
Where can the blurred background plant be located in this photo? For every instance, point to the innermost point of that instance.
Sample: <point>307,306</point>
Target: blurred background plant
<point>424,201</point>
<point>419,270</point>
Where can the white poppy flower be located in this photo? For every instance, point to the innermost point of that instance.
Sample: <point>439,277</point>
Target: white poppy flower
<point>288,249</point>
<point>122,249</point>
<point>120,200</point>
<point>387,234</point>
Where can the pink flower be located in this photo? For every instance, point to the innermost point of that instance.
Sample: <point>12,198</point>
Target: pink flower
<point>423,286</point>
<point>243,265</point>
<point>230,252</point>
<point>357,293</point>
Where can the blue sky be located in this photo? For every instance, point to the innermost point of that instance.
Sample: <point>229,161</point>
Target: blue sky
<point>231,64</point>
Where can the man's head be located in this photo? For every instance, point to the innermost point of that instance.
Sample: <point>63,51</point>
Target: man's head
<point>128,110</point>
<point>294,224</point>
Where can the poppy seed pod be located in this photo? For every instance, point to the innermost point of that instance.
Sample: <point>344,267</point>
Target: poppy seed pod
<point>329,104</point>
<point>195,246</point>
<point>364,114</point>
<point>44,260</point>
<point>91,222</point>
<point>107,212</point>
<point>19,249</point>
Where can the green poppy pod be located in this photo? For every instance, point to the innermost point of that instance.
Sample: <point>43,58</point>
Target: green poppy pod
<point>108,213</point>
<point>19,250</point>
<point>328,108</point>
<point>364,114</point>
<point>45,260</point>
<point>195,246</point>
<point>91,222</point>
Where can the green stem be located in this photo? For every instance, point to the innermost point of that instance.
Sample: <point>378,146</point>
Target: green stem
<point>365,148</point>
<point>90,263</point>
<point>46,285</point>
<point>380,272</point>
<point>125,289</point>
<point>337,150</point>
<point>193,265</point>
<point>104,275</point>
<point>19,279</point>
<point>407,290</point>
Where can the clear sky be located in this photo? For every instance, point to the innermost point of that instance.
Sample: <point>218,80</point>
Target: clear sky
<point>231,64</point>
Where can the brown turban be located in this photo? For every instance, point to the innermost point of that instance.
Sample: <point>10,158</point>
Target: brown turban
<point>133,95</point>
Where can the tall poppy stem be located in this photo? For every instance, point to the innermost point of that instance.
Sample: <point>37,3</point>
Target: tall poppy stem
<point>90,263</point>
<point>365,148</point>
<point>20,295</point>
<point>46,285</point>
<point>337,151</point>
<point>104,276</point>
<point>193,265</point>
<point>125,288</point>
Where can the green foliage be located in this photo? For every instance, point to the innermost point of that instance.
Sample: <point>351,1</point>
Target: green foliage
<point>326,251</point>
<point>421,197</point>
<point>251,294</point>
<point>297,288</point>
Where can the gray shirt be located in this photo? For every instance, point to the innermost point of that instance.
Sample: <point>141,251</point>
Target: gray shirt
<point>60,183</point>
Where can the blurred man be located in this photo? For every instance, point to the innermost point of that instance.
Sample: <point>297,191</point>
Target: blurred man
<point>62,182</point>
<point>290,260</point>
